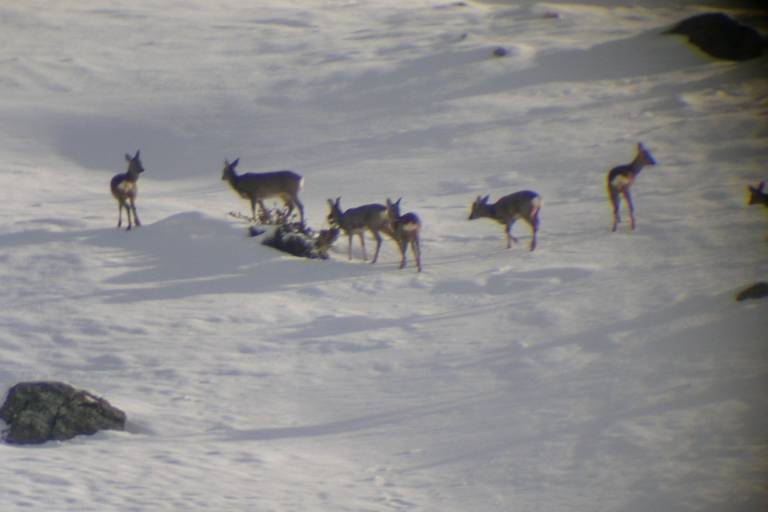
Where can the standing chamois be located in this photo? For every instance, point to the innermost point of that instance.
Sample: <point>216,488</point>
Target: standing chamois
<point>356,221</point>
<point>405,230</point>
<point>124,189</point>
<point>507,210</point>
<point>621,178</point>
<point>259,186</point>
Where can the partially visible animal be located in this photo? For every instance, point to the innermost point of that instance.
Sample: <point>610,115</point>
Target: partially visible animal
<point>324,241</point>
<point>405,230</point>
<point>621,178</point>
<point>358,220</point>
<point>756,194</point>
<point>255,187</point>
<point>124,188</point>
<point>524,204</point>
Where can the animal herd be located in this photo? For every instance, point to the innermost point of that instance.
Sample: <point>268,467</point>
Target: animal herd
<point>386,218</point>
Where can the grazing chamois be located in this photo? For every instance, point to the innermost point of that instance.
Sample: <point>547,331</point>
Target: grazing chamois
<point>621,178</point>
<point>405,230</point>
<point>524,204</point>
<point>256,187</point>
<point>355,221</point>
<point>756,195</point>
<point>124,189</point>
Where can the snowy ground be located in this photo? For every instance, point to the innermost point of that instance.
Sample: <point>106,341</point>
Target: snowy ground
<point>602,372</point>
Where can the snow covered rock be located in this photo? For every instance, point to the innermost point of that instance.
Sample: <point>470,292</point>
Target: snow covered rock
<point>721,36</point>
<point>301,241</point>
<point>46,411</point>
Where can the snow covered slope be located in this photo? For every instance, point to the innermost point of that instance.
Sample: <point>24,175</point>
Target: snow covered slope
<point>602,372</point>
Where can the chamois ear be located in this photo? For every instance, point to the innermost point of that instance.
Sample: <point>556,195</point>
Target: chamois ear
<point>128,157</point>
<point>486,198</point>
<point>234,164</point>
<point>761,186</point>
<point>137,154</point>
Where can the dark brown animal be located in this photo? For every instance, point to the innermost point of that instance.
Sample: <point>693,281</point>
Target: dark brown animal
<point>358,220</point>
<point>525,205</point>
<point>256,187</point>
<point>125,189</point>
<point>405,230</point>
<point>621,178</point>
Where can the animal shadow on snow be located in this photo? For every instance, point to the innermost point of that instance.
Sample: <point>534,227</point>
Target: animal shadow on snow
<point>189,254</point>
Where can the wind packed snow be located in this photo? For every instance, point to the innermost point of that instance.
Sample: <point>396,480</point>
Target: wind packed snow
<point>601,372</point>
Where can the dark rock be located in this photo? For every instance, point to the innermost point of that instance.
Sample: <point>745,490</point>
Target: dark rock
<point>500,52</point>
<point>755,291</point>
<point>452,5</point>
<point>37,412</point>
<point>253,231</point>
<point>301,241</point>
<point>721,36</point>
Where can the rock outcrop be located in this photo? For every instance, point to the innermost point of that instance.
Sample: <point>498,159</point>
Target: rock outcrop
<point>37,412</point>
<point>720,36</point>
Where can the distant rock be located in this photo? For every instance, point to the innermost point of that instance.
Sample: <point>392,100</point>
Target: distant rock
<point>500,52</point>
<point>755,291</point>
<point>37,412</point>
<point>451,5</point>
<point>721,36</point>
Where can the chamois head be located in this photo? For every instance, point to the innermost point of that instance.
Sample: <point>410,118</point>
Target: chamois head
<point>644,156</point>
<point>756,194</point>
<point>134,164</point>
<point>478,207</point>
<point>229,169</point>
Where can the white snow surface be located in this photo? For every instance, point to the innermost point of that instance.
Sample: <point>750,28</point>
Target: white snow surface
<point>601,372</point>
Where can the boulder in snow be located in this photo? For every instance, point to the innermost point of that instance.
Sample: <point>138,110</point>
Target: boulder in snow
<point>721,36</point>
<point>301,241</point>
<point>37,412</point>
<point>755,291</point>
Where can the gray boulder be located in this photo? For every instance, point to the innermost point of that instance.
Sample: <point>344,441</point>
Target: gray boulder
<point>37,412</point>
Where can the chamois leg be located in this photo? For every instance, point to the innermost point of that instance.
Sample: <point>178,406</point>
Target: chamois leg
<point>377,236</point>
<point>119,214</point>
<point>128,215</point>
<point>403,249</point>
<point>135,215</point>
<point>253,209</point>
<point>510,238</point>
<point>301,209</point>
<point>616,205</point>
<point>631,207</point>
<point>416,246</point>
<point>287,203</point>
<point>362,242</point>
<point>534,223</point>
